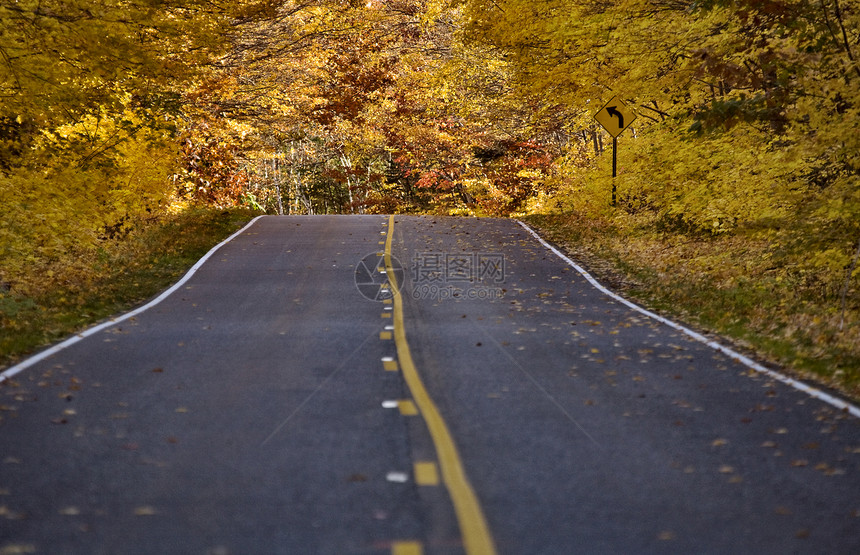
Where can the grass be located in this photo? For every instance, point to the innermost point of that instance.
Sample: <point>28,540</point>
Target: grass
<point>731,286</point>
<point>92,286</point>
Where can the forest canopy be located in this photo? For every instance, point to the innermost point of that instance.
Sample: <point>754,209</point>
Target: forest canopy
<point>466,106</point>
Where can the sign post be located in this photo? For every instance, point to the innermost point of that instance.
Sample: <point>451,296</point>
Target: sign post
<point>615,117</point>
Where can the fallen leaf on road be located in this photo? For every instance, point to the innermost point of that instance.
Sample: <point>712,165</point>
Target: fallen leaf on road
<point>145,510</point>
<point>17,549</point>
<point>9,514</point>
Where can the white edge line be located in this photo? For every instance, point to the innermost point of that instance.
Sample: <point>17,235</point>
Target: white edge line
<point>23,365</point>
<point>800,386</point>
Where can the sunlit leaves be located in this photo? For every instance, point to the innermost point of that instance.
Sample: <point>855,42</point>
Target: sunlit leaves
<point>91,103</point>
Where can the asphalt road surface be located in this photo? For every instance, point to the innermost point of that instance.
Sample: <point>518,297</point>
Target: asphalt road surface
<point>285,400</point>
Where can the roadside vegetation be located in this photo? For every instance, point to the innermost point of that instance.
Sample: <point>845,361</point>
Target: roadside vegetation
<point>738,182</point>
<point>113,278</point>
<point>725,285</point>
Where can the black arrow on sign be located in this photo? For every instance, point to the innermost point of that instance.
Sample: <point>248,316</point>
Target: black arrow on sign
<point>612,111</point>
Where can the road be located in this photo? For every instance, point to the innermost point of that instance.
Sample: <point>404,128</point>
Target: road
<point>282,400</point>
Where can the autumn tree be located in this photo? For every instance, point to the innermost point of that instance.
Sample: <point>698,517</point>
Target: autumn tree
<point>92,102</point>
<point>394,103</point>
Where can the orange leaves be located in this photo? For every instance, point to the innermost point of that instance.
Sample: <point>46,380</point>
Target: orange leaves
<point>213,170</point>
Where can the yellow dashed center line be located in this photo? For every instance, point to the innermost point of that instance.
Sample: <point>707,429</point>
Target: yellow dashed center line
<point>390,365</point>
<point>476,534</point>
<point>426,474</point>
<point>407,407</point>
<point>406,548</point>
